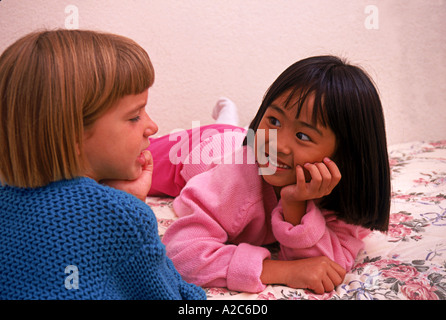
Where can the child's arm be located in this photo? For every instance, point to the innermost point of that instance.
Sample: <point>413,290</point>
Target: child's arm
<point>197,246</point>
<point>303,230</point>
<point>214,211</point>
<point>319,233</point>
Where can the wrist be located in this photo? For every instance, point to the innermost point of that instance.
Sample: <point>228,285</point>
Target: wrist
<point>294,211</point>
<point>273,272</point>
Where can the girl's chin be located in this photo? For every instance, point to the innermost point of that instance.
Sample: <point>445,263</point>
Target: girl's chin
<point>277,181</point>
<point>133,174</point>
<point>136,174</point>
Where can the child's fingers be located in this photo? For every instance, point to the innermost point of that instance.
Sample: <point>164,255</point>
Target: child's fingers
<point>320,179</point>
<point>340,271</point>
<point>330,174</point>
<point>335,276</point>
<point>324,177</point>
<point>325,185</point>
<point>300,177</point>
<point>316,177</point>
<point>334,170</point>
<point>148,166</point>
<point>147,171</point>
<point>328,284</point>
<point>319,288</point>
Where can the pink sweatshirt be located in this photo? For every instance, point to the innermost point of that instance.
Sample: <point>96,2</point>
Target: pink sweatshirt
<point>228,212</point>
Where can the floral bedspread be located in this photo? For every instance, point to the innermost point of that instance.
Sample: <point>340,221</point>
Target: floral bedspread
<point>409,262</point>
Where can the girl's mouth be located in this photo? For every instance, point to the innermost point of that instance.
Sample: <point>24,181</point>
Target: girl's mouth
<point>277,163</point>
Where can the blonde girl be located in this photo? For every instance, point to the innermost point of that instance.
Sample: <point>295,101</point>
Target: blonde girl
<point>72,116</point>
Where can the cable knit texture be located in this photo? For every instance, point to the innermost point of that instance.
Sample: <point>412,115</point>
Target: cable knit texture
<point>108,235</point>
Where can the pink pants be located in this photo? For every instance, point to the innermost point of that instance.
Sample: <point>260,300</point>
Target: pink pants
<point>166,180</point>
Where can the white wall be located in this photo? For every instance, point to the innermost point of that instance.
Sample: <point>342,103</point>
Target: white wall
<point>204,49</point>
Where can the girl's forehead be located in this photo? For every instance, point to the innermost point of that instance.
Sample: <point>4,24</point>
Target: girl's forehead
<point>292,108</point>
<point>294,97</point>
<point>294,102</point>
<point>297,102</point>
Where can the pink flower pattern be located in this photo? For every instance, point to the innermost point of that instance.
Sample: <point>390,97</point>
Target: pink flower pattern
<point>419,290</point>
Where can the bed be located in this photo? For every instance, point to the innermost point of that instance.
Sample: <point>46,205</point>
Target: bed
<point>407,263</point>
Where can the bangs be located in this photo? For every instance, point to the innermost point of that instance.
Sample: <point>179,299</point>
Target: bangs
<point>297,98</point>
<point>121,67</point>
<point>134,71</point>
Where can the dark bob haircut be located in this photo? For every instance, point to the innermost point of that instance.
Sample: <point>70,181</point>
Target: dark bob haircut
<point>347,102</point>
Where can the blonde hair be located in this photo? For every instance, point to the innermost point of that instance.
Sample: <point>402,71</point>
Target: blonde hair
<point>53,85</point>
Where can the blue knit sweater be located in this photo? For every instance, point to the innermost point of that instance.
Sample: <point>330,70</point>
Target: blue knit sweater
<point>77,239</point>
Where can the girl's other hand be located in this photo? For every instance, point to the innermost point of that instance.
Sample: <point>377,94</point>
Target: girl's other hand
<point>319,274</point>
<point>139,187</point>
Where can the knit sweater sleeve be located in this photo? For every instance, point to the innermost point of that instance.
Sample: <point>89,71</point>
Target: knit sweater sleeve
<point>319,233</point>
<point>149,274</point>
<point>145,272</point>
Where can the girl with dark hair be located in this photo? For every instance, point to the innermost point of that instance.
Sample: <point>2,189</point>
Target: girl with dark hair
<point>319,183</point>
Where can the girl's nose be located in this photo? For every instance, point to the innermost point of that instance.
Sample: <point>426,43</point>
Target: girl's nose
<point>151,128</point>
<point>283,144</point>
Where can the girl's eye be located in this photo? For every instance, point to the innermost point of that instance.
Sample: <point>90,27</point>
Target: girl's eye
<point>274,121</point>
<point>302,136</point>
<point>135,119</point>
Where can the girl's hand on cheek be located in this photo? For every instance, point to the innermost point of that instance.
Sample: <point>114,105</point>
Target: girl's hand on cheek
<point>140,186</point>
<point>324,177</point>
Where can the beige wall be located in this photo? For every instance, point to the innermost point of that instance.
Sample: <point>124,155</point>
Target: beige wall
<point>204,49</point>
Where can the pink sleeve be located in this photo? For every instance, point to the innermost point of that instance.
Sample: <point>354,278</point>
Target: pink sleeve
<point>319,233</point>
<point>197,241</point>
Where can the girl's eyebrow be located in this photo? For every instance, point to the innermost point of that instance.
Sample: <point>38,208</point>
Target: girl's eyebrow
<point>311,127</point>
<point>302,123</point>
<point>135,109</point>
<point>278,109</point>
